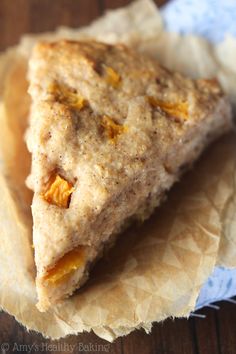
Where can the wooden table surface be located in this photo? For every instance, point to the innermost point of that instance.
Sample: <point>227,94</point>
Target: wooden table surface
<point>213,335</point>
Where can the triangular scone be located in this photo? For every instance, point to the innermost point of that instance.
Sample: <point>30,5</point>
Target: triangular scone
<point>110,132</point>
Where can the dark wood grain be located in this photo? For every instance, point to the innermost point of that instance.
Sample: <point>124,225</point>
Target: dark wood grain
<point>213,335</point>
<point>207,344</point>
<point>173,334</point>
<point>226,322</point>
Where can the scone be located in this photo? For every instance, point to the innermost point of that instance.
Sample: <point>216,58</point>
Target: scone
<point>110,132</point>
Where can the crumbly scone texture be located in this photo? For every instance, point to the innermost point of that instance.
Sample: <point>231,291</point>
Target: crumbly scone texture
<point>116,127</point>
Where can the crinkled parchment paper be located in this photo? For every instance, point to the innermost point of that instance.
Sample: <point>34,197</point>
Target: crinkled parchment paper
<point>156,270</point>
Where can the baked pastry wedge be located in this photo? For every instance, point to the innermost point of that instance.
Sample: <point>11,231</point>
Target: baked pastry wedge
<point>110,132</point>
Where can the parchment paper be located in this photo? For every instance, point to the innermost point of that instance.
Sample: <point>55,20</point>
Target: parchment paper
<point>156,270</point>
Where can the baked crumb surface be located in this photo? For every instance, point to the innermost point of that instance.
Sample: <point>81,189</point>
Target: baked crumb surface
<point>111,123</point>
